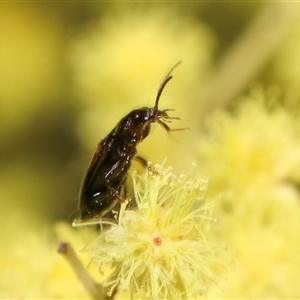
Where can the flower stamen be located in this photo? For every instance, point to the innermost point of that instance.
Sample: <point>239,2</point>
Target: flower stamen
<point>161,248</point>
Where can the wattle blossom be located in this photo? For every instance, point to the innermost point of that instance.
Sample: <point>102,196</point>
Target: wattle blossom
<point>162,249</point>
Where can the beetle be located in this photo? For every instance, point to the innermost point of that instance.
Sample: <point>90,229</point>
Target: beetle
<point>105,181</point>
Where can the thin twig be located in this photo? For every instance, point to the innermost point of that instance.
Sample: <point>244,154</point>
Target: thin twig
<point>96,290</point>
<point>248,55</point>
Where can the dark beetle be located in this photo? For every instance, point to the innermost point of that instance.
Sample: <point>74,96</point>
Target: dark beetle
<point>104,183</point>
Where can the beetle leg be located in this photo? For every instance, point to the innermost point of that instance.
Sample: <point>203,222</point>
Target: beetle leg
<point>164,125</point>
<point>142,161</point>
<point>168,129</point>
<point>116,193</point>
<point>145,164</point>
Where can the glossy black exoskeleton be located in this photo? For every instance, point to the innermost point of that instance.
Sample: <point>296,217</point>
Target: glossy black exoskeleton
<point>104,183</point>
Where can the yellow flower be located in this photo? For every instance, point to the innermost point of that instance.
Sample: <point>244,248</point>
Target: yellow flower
<point>253,157</point>
<point>252,154</point>
<point>162,250</point>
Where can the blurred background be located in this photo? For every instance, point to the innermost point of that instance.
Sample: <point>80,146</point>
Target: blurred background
<point>70,71</point>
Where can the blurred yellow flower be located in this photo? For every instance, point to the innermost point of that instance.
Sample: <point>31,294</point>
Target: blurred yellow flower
<point>253,157</point>
<point>252,152</point>
<point>162,250</point>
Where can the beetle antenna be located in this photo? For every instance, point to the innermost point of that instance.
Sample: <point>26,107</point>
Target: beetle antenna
<point>166,80</point>
<point>161,88</point>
